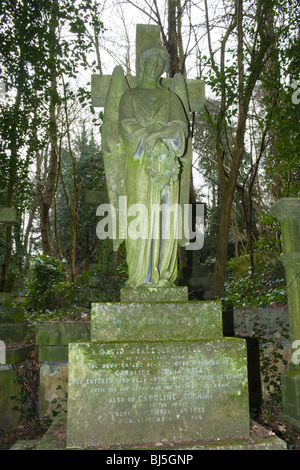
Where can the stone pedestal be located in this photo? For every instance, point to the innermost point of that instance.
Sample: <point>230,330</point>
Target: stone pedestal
<point>287,211</point>
<point>52,338</point>
<point>157,371</point>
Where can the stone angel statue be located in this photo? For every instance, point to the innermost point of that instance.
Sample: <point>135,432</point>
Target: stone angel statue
<point>147,157</point>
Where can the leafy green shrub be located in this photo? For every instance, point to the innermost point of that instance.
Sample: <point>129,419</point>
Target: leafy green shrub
<point>50,295</point>
<point>45,284</point>
<point>95,285</point>
<point>264,287</point>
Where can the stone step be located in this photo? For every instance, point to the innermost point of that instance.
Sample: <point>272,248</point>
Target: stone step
<point>154,294</point>
<point>260,439</point>
<point>156,321</point>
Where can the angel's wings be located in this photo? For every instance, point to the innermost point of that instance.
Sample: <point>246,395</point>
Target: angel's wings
<point>113,154</point>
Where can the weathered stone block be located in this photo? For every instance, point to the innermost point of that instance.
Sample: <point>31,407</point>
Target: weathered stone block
<point>146,321</point>
<point>53,389</point>
<point>12,331</point>
<point>154,294</point>
<point>145,392</point>
<point>15,355</point>
<point>53,353</point>
<point>287,211</point>
<point>10,394</point>
<point>260,439</point>
<point>62,333</point>
<point>290,383</point>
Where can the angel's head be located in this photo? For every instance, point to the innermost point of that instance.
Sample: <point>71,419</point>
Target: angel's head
<point>154,59</point>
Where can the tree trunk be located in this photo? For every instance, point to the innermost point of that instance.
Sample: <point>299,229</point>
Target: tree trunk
<point>172,37</point>
<point>12,174</point>
<point>222,245</point>
<point>228,183</point>
<point>47,195</point>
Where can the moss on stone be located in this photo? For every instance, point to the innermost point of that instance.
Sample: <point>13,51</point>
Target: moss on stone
<point>164,390</point>
<point>156,321</point>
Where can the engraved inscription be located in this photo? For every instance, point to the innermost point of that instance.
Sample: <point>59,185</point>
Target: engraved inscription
<point>156,383</point>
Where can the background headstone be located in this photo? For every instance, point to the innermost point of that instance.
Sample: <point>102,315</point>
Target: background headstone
<point>287,211</point>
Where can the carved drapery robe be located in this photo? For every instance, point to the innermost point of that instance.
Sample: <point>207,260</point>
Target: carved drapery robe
<point>152,179</point>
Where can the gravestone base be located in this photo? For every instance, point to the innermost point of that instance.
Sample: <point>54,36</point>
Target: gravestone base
<point>157,373</point>
<point>167,391</point>
<point>157,370</point>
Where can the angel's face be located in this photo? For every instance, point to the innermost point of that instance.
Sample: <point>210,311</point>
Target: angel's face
<point>154,66</point>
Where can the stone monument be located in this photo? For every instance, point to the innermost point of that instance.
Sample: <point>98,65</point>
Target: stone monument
<point>157,368</point>
<point>287,211</point>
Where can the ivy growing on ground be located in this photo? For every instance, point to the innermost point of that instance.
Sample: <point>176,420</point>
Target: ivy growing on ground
<point>258,290</point>
<point>266,284</point>
<point>272,359</point>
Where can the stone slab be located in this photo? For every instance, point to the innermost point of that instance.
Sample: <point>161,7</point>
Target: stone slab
<point>12,331</point>
<point>260,439</point>
<point>148,392</point>
<point>154,294</point>
<point>290,384</point>
<point>53,353</point>
<point>24,445</point>
<point>12,314</point>
<point>15,355</point>
<point>61,333</point>
<point>53,389</point>
<point>196,282</point>
<point>10,394</point>
<point>148,321</point>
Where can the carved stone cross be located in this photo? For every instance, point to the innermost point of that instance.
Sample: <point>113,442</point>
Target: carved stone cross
<point>145,36</point>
